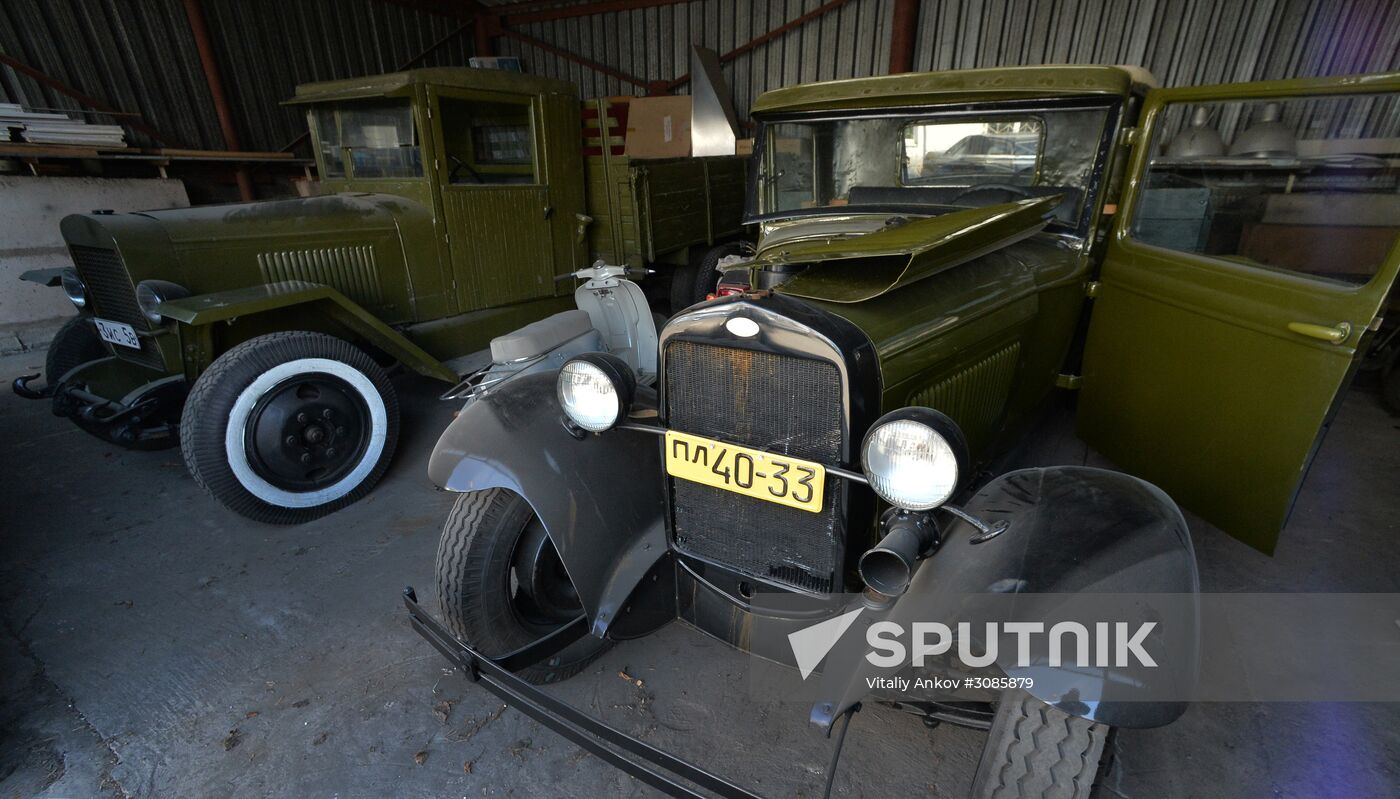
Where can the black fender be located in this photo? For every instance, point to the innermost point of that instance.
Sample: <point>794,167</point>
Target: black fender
<point>600,497</point>
<point>1080,539</point>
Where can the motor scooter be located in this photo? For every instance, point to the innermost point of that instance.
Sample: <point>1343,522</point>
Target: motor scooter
<point>612,317</point>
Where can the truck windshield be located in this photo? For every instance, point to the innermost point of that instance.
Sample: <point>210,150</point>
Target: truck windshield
<point>367,139</point>
<point>931,163</point>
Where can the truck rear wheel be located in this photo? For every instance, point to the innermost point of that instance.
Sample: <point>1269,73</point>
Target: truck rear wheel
<point>695,281</point>
<point>1038,751</point>
<point>501,585</point>
<point>288,427</point>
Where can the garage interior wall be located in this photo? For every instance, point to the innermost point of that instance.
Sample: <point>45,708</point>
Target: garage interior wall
<point>139,56</point>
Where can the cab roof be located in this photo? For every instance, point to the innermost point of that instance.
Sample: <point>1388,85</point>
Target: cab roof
<point>957,86</point>
<point>403,83</point>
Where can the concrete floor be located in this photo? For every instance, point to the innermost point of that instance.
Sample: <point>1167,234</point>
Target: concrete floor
<point>157,645</point>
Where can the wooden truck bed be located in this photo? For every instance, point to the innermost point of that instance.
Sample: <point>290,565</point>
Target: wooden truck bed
<point>654,210</point>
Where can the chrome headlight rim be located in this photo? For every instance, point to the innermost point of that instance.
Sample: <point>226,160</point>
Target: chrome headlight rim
<point>941,429</point>
<point>151,293</point>
<point>601,369</point>
<point>74,287</point>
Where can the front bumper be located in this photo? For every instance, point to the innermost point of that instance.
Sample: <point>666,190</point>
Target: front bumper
<point>659,769</point>
<point>145,417</point>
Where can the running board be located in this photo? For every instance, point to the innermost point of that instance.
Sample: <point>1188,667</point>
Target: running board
<point>648,764</point>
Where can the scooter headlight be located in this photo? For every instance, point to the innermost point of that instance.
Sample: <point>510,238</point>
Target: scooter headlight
<point>74,287</point>
<point>914,458</point>
<point>595,390</point>
<point>151,293</point>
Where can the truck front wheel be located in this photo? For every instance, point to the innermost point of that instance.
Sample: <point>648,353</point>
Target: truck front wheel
<point>1036,751</point>
<point>501,585</point>
<point>288,427</point>
<point>75,344</point>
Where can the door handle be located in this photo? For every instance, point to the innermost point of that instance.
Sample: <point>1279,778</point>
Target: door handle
<point>1335,335</point>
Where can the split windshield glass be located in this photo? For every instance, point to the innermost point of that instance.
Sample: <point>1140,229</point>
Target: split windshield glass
<point>373,138</point>
<point>930,163</point>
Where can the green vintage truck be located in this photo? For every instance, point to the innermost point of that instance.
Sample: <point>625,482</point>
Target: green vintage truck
<point>822,454</point>
<point>455,204</point>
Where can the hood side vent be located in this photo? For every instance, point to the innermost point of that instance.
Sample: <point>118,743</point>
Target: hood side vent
<point>350,270</point>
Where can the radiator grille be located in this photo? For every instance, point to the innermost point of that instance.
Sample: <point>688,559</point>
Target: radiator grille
<point>112,296</point>
<point>777,403</point>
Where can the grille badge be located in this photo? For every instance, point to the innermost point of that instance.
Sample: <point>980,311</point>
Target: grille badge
<point>742,326</point>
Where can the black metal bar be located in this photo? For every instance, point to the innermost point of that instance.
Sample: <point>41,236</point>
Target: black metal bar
<point>545,647</point>
<point>648,764</point>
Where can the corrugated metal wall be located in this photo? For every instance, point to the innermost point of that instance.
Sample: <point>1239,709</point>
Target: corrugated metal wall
<point>1183,42</point>
<point>139,55</point>
<point>654,44</point>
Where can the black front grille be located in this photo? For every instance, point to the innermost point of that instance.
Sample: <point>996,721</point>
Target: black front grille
<point>776,403</point>
<point>113,297</point>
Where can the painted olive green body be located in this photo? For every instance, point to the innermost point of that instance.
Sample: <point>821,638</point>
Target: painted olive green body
<point>418,270</point>
<point>1189,371</point>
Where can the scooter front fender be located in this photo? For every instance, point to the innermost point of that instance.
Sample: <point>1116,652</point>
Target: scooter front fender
<point>601,498</point>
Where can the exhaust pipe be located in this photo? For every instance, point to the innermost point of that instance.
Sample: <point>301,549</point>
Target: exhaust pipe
<point>889,567</point>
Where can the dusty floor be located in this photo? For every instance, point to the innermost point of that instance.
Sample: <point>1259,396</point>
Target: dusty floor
<point>156,645</point>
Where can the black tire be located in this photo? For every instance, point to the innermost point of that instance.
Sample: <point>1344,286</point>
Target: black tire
<point>321,397</point>
<point>1035,750</point>
<point>1390,381</point>
<point>682,287</point>
<point>75,344</point>
<point>706,276</point>
<point>478,587</point>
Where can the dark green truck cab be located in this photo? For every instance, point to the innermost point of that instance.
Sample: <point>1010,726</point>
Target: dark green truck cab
<point>452,202</point>
<point>938,255</point>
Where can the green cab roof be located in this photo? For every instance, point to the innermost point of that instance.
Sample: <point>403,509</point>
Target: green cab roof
<point>402,83</point>
<point>956,86</point>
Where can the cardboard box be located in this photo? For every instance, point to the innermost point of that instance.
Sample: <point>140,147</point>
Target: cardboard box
<point>658,127</point>
<point>743,146</point>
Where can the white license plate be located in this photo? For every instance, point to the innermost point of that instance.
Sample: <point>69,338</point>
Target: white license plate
<point>118,333</point>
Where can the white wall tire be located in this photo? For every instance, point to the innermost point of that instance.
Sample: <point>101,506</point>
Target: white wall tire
<point>236,415</point>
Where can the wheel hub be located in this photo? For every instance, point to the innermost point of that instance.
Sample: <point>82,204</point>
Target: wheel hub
<point>307,432</point>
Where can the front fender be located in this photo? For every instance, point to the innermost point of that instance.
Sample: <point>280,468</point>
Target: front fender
<point>1082,543</point>
<point>602,498</point>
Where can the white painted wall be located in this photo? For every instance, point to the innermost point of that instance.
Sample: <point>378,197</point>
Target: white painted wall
<point>30,210</point>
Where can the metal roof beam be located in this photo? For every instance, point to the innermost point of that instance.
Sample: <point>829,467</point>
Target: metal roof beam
<point>584,10</point>
<point>133,121</point>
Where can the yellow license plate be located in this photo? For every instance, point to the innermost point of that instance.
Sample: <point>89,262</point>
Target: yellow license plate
<point>753,473</point>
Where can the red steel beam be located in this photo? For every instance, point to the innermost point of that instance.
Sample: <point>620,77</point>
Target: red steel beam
<point>904,21</point>
<point>584,10</point>
<point>596,66</point>
<point>786,27</point>
<point>95,104</point>
<point>195,13</point>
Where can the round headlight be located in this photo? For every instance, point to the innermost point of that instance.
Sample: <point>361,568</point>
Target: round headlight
<point>151,293</point>
<point>595,390</point>
<point>914,457</point>
<point>74,288</point>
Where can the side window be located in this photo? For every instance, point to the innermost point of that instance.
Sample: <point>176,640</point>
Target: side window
<point>1307,185</point>
<point>488,143</point>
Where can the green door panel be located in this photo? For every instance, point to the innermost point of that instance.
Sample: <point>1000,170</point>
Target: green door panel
<point>501,243</point>
<point>1199,373</point>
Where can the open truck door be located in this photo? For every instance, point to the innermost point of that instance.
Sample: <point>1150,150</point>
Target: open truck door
<point>1242,280</point>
